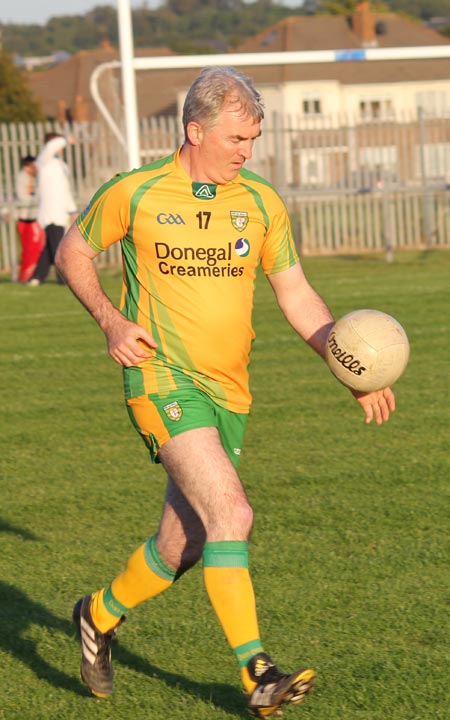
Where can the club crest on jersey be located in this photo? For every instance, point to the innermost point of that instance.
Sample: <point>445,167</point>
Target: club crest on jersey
<point>173,411</point>
<point>239,219</point>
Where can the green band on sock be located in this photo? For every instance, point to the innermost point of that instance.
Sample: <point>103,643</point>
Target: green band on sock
<point>229,553</point>
<point>245,652</point>
<point>155,562</point>
<point>112,605</point>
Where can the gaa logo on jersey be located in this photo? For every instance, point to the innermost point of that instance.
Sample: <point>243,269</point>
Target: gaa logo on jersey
<point>239,219</point>
<point>242,247</point>
<point>173,411</point>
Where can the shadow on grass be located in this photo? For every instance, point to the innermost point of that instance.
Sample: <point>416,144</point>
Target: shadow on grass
<point>221,696</point>
<point>6,527</point>
<point>19,612</point>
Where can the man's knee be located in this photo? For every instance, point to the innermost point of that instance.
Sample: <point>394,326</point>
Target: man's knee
<point>243,515</point>
<point>234,520</point>
<point>181,552</point>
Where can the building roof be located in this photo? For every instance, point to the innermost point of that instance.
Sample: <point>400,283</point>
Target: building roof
<point>337,32</point>
<point>65,88</point>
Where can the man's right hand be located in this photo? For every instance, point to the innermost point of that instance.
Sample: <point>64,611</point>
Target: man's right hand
<point>128,343</point>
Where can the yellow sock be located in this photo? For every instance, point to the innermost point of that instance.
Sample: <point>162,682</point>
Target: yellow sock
<point>230,589</point>
<point>145,576</point>
<point>103,620</point>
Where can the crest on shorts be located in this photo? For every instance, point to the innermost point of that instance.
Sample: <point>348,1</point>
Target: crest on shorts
<point>173,411</point>
<point>239,219</point>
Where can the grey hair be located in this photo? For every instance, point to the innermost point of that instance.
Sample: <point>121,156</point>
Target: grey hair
<point>216,86</point>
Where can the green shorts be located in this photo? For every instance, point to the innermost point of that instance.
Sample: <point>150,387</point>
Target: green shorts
<point>158,419</point>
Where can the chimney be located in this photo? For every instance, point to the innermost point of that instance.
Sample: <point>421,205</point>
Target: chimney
<point>61,112</point>
<point>81,112</point>
<point>363,25</point>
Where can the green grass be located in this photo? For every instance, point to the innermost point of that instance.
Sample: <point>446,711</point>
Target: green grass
<point>350,547</point>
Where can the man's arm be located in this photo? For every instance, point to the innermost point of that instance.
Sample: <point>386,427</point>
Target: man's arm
<point>128,343</point>
<point>53,146</point>
<point>22,189</point>
<point>303,307</point>
<point>311,318</point>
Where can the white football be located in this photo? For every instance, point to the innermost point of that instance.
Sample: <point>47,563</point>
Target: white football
<point>367,350</point>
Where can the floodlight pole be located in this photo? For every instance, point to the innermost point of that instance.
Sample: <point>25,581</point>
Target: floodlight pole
<point>126,46</point>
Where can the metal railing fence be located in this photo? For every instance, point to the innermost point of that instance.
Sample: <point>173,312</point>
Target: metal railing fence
<point>351,184</point>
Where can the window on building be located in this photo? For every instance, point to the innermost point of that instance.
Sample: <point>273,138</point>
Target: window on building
<point>378,165</point>
<point>433,161</point>
<point>312,167</point>
<point>375,108</point>
<point>432,102</point>
<point>374,156</point>
<point>311,106</point>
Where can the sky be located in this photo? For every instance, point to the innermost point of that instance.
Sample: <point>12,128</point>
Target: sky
<point>40,11</point>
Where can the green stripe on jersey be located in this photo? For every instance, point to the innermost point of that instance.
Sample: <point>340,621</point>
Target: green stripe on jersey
<point>130,309</point>
<point>259,202</point>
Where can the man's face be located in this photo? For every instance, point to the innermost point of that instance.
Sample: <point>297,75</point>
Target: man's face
<point>224,148</point>
<point>31,168</point>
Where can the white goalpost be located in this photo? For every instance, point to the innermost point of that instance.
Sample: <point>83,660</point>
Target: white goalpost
<point>129,64</point>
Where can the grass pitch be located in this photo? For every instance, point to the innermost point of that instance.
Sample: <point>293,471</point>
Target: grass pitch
<point>350,548</point>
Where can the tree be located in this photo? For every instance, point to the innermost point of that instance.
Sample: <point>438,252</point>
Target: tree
<point>16,101</point>
<point>180,7</point>
<point>423,9</point>
<point>348,7</point>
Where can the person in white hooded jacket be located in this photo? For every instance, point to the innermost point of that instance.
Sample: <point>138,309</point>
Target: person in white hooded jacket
<point>56,204</point>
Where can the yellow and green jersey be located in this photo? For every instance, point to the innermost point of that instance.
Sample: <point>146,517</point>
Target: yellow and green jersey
<point>190,252</point>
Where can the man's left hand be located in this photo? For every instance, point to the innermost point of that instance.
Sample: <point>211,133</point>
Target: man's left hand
<point>378,404</point>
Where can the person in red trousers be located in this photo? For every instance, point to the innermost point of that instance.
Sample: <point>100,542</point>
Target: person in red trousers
<point>32,236</point>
